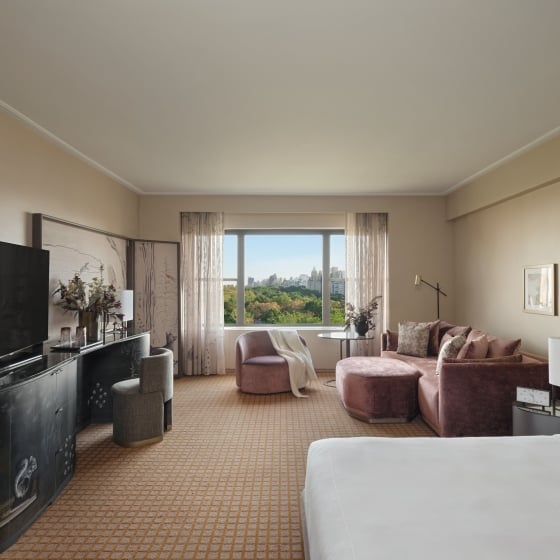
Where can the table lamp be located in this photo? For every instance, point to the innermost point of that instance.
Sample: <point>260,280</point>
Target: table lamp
<point>126,311</point>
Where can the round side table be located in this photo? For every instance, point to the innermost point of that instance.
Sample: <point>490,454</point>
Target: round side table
<point>343,337</point>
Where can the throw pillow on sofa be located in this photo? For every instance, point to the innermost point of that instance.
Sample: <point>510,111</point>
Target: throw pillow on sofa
<point>453,330</point>
<point>413,339</point>
<point>450,349</point>
<point>498,347</point>
<point>475,348</point>
<point>449,333</point>
<point>433,339</point>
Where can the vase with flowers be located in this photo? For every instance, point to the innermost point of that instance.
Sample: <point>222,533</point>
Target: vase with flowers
<point>92,301</point>
<point>363,318</point>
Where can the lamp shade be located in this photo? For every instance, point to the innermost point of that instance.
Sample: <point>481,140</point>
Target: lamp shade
<point>554,361</point>
<point>126,297</point>
<point>417,280</point>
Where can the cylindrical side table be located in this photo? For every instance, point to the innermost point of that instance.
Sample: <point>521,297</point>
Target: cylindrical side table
<point>533,422</point>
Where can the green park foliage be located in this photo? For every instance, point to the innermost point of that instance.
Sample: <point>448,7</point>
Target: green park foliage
<point>278,305</point>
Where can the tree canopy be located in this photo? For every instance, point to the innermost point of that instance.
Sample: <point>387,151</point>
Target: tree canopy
<point>278,305</point>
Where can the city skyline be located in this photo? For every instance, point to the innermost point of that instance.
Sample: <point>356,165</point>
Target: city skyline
<point>313,281</point>
<point>287,256</point>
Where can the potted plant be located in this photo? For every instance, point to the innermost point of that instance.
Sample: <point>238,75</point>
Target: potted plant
<point>89,300</point>
<point>363,318</point>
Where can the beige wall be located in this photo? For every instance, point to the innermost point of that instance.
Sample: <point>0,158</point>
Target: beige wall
<point>534,169</point>
<point>474,242</point>
<point>420,241</point>
<point>38,176</point>
<point>505,220</point>
<point>420,237</point>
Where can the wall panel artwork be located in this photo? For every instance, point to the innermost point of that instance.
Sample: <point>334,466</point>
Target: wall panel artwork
<point>76,249</point>
<point>156,293</point>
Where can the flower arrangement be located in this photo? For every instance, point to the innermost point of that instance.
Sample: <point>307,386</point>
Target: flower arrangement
<point>362,318</point>
<point>94,296</point>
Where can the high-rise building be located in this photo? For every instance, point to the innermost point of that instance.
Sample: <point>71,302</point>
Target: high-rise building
<point>315,281</point>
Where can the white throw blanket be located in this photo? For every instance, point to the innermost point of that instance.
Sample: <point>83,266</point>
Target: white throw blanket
<point>288,344</point>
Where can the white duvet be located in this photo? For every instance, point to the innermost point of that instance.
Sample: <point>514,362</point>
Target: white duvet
<point>433,499</point>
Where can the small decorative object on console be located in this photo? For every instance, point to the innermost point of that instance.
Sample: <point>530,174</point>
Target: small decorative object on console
<point>92,301</point>
<point>95,296</point>
<point>65,336</point>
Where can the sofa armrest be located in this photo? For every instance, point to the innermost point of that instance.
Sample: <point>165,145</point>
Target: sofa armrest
<point>476,399</point>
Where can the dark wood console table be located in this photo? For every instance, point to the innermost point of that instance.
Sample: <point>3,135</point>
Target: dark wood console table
<point>43,405</point>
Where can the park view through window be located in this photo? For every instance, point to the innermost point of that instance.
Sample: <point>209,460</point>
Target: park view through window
<point>277,277</point>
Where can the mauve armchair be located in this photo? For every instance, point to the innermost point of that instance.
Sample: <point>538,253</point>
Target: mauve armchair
<point>258,368</point>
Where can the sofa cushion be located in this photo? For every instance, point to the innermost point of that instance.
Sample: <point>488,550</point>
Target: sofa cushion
<point>426,366</point>
<point>428,400</point>
<point>413,339</point>
<point>497,346</point>
<point>450,349</point>
<point>513,358</point>
<point>502,346</point>
<point>272,360</point>
<point>445,327</point>
<point>392,340</point>
<point>433,340</point>
<point>454,331</point>
<point>475,333</point>
<point>474,348</point>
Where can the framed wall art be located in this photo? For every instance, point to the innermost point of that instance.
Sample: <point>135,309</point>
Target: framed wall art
<point>539,289</point>
<point>77,249</point>
<point>156,289</point>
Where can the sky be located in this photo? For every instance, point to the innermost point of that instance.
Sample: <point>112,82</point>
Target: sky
<point>284,255</point>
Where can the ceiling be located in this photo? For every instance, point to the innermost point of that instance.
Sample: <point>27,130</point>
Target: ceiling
<point>298,97</point>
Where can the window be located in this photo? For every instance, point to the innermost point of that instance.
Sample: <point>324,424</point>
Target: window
<point>275,277</point>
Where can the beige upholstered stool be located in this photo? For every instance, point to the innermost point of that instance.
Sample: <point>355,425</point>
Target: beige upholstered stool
<point>142,405</point>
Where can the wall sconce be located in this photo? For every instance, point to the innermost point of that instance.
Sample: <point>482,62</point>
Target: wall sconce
<point>554,368</point>
<point>419,280</point>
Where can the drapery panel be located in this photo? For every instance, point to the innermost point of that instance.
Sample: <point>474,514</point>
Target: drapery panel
<point>366,263</point>
<point>202,300</point>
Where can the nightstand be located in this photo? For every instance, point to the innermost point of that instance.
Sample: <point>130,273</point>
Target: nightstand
<point>533,421</point>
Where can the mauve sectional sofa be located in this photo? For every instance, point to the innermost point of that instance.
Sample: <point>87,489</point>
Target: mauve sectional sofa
<point>470,396</point>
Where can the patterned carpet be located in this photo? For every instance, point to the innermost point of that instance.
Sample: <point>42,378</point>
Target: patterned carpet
<point>224,484</point>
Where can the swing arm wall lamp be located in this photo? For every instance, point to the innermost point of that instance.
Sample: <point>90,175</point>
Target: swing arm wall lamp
<point>419,280</point>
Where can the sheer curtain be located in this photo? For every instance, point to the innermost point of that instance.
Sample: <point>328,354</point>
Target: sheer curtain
<point>202,300</point>
<point>366,256</point>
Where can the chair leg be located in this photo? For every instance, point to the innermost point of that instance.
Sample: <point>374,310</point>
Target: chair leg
<point>167,415</point>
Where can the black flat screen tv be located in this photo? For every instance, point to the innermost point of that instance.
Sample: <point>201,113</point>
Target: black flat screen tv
<point>24,298</point>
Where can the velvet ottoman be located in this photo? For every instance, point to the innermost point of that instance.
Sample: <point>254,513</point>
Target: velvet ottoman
<point>378,389</point>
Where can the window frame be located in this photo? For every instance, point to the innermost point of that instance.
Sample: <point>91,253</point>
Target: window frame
<point>241,234</point>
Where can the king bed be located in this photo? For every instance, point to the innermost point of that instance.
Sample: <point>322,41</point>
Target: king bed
<point>487,498</point>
